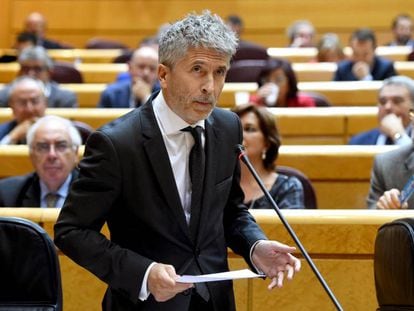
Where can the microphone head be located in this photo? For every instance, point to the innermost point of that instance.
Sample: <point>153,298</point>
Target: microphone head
<point>240,149</point>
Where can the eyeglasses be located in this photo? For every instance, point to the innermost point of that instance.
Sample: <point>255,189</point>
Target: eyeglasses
<point>35,69</point>
<point>25,102</point>
<point>59,147</point>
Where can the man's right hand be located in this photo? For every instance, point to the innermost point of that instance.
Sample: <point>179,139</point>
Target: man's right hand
<point>20,131</point>
<point>391,125</point>
<point>361,70</point>
<point>391,200</point>
<point>162,282</point>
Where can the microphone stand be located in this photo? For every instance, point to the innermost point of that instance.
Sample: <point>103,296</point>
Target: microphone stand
<point>243,157</point>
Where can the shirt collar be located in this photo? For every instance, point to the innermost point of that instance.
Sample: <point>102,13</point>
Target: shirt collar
<point>168,120</point>
<point>62,191</point>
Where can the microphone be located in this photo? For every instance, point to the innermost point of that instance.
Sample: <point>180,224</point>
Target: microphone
<point>243,157</point>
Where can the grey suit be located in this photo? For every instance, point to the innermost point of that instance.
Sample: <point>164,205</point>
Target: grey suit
<point>391,170</point>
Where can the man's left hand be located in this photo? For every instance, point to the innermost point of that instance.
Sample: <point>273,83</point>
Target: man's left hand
<point>274,259</point>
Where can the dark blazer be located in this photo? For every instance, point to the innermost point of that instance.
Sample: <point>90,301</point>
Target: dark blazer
<point>58,97</point>
<point>22,191</point>
<point>6,128</point>
<point>382,69</point>
<point>118,94</point>
<point>365,138</point>
<point>126,180</point>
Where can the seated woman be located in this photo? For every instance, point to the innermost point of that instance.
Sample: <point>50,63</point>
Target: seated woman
<point>278,87</point>
<point>330,49</point>
<point>262,142</point>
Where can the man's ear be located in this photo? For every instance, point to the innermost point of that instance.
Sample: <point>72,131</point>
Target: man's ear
<point>163,72</point>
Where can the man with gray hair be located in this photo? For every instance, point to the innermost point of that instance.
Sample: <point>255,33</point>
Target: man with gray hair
<point>53,148</point>
<point>166,179</point>
<point>395,103</point>
<point>301,34</point>
<point>35,62</point>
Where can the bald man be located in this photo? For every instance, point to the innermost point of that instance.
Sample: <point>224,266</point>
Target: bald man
<point>35,23</point>
<point>133,93</point>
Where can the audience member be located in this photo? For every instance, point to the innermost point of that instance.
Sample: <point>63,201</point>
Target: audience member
<point>330,49</point>
<point>402,29</point>
<point>301,34</point>
<point>23,40</point>
<point>236,24</point>
<point>27,102</point>
<point>35,23</point>
<point>395,101</point>
<point>53,149</point>
<point>261,140</point>
<point>278,87</point>
<point>391,171</point>
<point>35,62</point>
<point>126,93</point>
<point>364,64</point>
<point>136,176</point>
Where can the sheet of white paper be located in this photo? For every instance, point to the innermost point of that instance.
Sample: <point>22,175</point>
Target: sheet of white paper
<point>231,275</point>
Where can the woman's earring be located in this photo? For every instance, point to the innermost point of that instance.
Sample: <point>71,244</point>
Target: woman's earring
<point>264,154</point>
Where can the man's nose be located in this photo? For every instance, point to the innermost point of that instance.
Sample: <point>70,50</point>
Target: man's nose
<point>208,85</point>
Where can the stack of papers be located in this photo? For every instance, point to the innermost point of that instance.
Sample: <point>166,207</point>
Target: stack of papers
<point>223,276</point>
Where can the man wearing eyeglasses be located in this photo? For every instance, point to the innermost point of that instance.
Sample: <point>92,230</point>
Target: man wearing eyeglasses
<point>53,148</point>
<point>395,103</point>
<point>28,103</point>
<point>35,62</point>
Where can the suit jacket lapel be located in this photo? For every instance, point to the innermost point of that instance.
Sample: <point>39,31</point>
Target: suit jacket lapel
<point>158,158</point>
<point>31,195</point>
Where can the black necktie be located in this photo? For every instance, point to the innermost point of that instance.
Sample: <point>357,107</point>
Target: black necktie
<point>51,199</point>
<point>196,168</point>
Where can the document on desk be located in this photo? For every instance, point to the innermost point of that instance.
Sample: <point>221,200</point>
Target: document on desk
<point>223,276</point>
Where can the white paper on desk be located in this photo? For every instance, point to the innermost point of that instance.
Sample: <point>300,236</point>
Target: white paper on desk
<point>231,275</point>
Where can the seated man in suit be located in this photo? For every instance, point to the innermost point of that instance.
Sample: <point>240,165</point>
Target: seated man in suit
<point>395,103</point>
<point>35,62</point>
<point>402,30</point>
<point>28,103</point>
<point>390,173</point>
<point>364,64</point>
<point>134,92</point>
<point>53,148</point>
<point>35,23</point>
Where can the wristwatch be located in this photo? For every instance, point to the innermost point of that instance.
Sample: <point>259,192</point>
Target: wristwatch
<point>396,136</point>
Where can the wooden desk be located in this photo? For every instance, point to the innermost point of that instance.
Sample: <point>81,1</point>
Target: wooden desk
<point>340,242</point>
<point>339,173</point>
<point>303,55</point>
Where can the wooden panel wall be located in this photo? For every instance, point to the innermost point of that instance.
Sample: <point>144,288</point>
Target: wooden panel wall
<point>75,21</point>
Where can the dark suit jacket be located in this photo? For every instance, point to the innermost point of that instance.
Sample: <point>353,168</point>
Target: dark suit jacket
<point>126,179</point>
<point>382,69</point>
<point>58,97</point>
<point>6,127</point>
<point>118,94</point>
<point>365,138</point>
<point>22,191</point>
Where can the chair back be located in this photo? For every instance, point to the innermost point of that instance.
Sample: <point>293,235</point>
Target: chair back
<point>394,265</point>
<point>84,129</point>
<point>30,274</point>
<point>320,100</point>
<point>247,70</point>
<point>98,43</point>
<point>309,194</point>
<point>248,50</point>
<point>124,57</point>
<point>65,73</point>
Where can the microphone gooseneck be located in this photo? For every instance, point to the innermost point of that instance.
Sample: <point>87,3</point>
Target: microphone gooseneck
<point>243,157</point>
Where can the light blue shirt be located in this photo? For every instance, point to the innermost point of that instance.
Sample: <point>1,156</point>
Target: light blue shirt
<point>62,192</point>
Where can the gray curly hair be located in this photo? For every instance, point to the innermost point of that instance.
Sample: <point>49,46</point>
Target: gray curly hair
<point>206,30</point>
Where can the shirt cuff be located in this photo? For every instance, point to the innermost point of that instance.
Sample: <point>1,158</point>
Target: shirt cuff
<point>251,256</point>
<point>6,140</point>
<point>367,78</point>
<point>404,140</point>
<point>144,293</point>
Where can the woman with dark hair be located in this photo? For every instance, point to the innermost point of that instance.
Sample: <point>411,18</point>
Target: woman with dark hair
<point>262,142</point>
<point>278,87</point>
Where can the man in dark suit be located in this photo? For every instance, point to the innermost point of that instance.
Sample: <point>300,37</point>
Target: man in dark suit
<point>53,149</point>
<point>27,102</point>
<point>364,64</point>
<point>35,23</point>
<point>35,62</point>
<point>167,217</point>
<point>395,102</point>
<point>134,92</point>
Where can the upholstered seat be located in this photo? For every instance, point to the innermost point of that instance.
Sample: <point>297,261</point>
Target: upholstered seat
<point>394,265</point>
<point>29,271</point>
